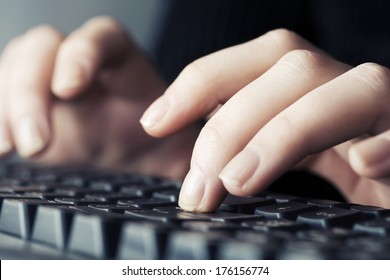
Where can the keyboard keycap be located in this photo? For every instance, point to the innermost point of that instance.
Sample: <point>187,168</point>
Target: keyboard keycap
<point>275,225</point>
<point>143,240</point>
<point>371,211</point>
<point>184,245</point>
<point>52,224</point>
<point>330,217</point>
<point>288,210</point>
<point>244,205</point>
<point>96,236</point>
<point>379,227</point>
<point>17,216</point>
<point>205,226</point>
<point>307,250</point>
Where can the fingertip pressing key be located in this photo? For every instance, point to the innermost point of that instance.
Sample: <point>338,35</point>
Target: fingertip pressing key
<point>30,139</point>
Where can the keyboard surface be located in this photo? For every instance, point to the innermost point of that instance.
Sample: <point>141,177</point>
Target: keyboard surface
<point>80,213</point>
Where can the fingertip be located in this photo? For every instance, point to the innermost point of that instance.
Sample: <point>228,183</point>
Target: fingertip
<point>239,174</point>
<point>192,192</point>
<point>70,79</point>
<point>371,158</point>
<point>199,193</point>
<point>152,119</point>
<point>5,147</point>
<point>30,137</point>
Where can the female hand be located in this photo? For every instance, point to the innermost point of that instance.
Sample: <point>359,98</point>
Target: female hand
<point>78,99</point>
<point>285,104</point>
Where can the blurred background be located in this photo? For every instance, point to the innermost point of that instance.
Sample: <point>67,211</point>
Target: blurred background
<point>141,17</point>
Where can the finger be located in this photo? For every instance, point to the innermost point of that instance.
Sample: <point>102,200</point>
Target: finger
<point>235,124</point>
<point>371,157</point>
<point>213,79</point>
<point>353,104</point>
<point>8,55</point>
<point>26,90</point>
<point>98,42</point>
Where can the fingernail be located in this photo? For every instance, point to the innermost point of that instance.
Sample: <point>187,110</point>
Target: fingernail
<point>29,138</point>
<point>192,191</point>
<point>240,169</point>
<point>69,79</point>
<point>370,152</point>
<point>155,112</point>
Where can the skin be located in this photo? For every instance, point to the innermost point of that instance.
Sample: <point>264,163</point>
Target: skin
<point>274,103</point>
<point>78,99</point>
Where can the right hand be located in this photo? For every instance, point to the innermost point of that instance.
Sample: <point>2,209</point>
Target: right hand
<point>78,99</point>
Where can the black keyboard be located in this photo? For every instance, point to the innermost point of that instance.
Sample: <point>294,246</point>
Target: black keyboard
<point>81,213</point>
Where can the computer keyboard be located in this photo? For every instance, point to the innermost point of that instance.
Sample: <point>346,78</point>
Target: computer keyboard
<point>64,212</point>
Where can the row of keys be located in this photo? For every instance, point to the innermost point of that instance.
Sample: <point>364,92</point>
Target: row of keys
<point>99,234</point>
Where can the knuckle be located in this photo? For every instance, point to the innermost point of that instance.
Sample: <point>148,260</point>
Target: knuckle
<point>212,134</point>
<point>285,38</point>
<point>195,72</point>
<point>103,20</point>
<point>303,60</point>
<point>106,23</point>
<point>42,32</point>
<point>80,46</point>
<point>375,75</point>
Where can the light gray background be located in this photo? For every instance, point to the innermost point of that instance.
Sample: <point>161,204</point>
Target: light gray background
<point>141,17</point>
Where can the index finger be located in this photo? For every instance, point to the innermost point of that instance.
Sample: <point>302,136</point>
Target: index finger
<point>213,79</point>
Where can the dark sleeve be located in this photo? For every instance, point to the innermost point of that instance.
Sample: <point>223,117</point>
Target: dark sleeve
<point>195,28</point>
<point>352,31</point>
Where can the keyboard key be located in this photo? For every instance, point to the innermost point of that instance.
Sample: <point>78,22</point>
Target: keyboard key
<point>323,203</point>
<point>143,240</point>
<point>307,250</point>
<point>17,216</point>
<point>330,217</point>
<point>169,195</point>
<point>288,210</point>
<point>144,191</point>
<point>112,208</point>
<point>281,198</point>
<point>147,203</point>
<point>205,226</point>
<point>252,245</point>
<point>245,250</point>
<point>171,216</point>
<point>52,224</point>
<point>379,227</point>
<point>275,225</point>
<point>77,201</point>
<point>328,235</point>
<point>184,245</point>
<point>96,236</point>
<point>244,205</point>
<point>368,247</point>
<point>110,197</point>
<point>371,211</point>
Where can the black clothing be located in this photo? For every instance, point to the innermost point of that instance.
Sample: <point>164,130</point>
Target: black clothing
<point>352,31</point>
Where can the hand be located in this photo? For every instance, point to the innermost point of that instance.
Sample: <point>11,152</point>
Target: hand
<point>78,99</point>
<point>285,104</point>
